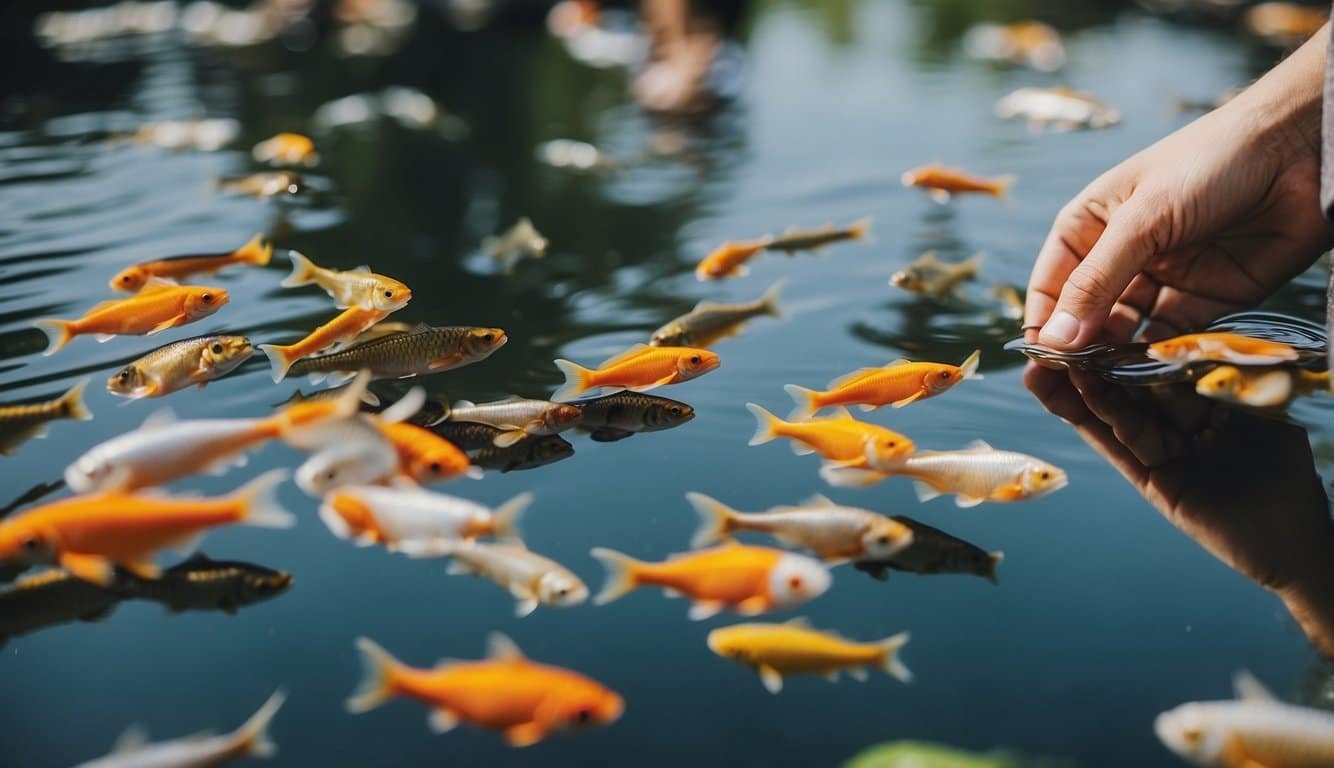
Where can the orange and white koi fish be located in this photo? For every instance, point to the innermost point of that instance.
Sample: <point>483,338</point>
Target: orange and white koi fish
<point>358,287</point>
<point>424,456</point>
<point>794,648</point>
<point>505,692</point>
<point>133,278</point>
<point>749,580</point>
<point>794,240</point>
<point>1255,730</point>
<point>639,368</point>
<point>346,326</point>
<point>829,531</point>
<point>942,182</point>
<point>1221,348</point>
<point>839,439</point>
<point>286,149</point>
<point>532,579</point>
<point>132,750</point>
<point>158,306</point>
<point>1059,108</point>
<point>729,259</point>
<point>972,475</point>
<point>90,535</point>
<point>1260,387</point>
<point>369,514</point>
<point>1023,43</point>
<point>900,383</point>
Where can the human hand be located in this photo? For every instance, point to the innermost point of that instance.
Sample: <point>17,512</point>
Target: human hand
<point>1209,220</point>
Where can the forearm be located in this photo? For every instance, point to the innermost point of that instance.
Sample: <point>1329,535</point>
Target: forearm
<point>1284,106</point>
<point>1311,604</point>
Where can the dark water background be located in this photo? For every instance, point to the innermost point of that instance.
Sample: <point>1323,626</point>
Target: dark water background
<point>1105,614</point>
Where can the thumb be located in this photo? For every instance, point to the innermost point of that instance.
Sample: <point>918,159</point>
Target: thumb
<point>1101,277</point>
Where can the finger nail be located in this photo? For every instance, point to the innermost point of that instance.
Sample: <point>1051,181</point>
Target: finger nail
<point>1062,329</point>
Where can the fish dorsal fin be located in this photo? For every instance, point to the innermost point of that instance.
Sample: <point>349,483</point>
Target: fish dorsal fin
<point>977,446</point>
<point>621,357</point>
<point>708,306</point>
<point>361,269</point>
<point>198,558</point>
<point>155,284</point>
<point>1248,688</point>
<point>133,739</point>
<point>897,363</point>
<point>849,377</point>
<point>419,328</point>
<point>447,661</point>
<point>928,259</point>
<point>819,500</point>
<point>162,417</point>
<point>104,304</point>
<point>511,399</point>
<point>465,404</point>
<point>801,622</point>
<point>500,648</point>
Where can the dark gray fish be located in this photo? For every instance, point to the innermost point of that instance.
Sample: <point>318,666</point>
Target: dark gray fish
<point>203,584</point>
<point>420,351</point>
<point>710,322</point>
<point>49,599</point>
<point>934,551</point>
<point>20,423</point>
<point>617,416</point>
<point>529,453</point>
<point>795,240</point>
<point>467,435</point>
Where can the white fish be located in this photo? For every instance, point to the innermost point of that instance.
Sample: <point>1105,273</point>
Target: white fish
<point>531,578</point>
<point>517,417</point>
<point>1059,108</point>
<point>133,750</point>
<point>830,531</point>
<point>1254,731</point>
<point>519,241</point>
<point>356,454</point>
<point>369,513</point>
<point>972,475</point>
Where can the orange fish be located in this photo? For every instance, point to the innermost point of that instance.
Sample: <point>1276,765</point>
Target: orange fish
<point>942,182</point>
<point>749,580</point>
<point>177,267</point>
<point>897,384</point>
<point>1223,348</point>
<point>729,259</point>
<point>639,368</point>
<point>88,535</point>
<point>158,306</point>
<point>346,326</point>
<point>286,149</point>
<point>505,692</point>
<point>425,456</point>
<point>840,438</point>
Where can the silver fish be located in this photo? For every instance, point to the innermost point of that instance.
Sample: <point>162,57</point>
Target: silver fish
<point>519,241</point>
<point>710,322</point>
<point>928,276</point>
<point>531,578</point>
<point>972,475</point>
<point>1060,108</point>
<point>517,417</point>
<point>830,531</point>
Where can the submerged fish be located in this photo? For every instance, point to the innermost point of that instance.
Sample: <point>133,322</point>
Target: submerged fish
<point>207,135</point>
<point>51,598</point>
<point>88,535</point>
<point>531,578</point>
<point>190,362</point>
<point>972,475</point>
<point>286,149</point>
<point>255,253</point>
<point>1059,108</point>
<point>710,322</point>
<point>517,417</point>
<point>1024,43</point>
<point>639,368</point>
<point>729,259</point>
<point>269,184</point>
<point>528,453</point>
<point>942,182</point>
<point>830,531</point>
<point>371,514</point>
<point>133,750</point>
<point>201,583</point>
<point>21,422</point>
<point>794,648</point>
<point>839,439</point>
<point>900,383</point>
<point>1260,387</point>
<point>158,306</point>
<point>749,580</point>
<point>346,325</point>
<point>1012,302</point>
<point>1221,347</point>
<point>1255,730</point>
<point>928,276</point>
<point>519,241</point>
<point>617,416</point>
<point>931,550</point>
<point>505,692</point>
<point>359,287</point>
<point>419,351</point>
<point>794,240</point>
<point>328,395</point>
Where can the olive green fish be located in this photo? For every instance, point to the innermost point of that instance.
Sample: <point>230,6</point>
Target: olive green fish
<point>22,422</point>
<point>422,350</point>
<point>931,550</point>
<point>190,362</point>
<point>467,435</point>
<point>379,331</point>
<point>710,322</point>
<point>929,276</point>
<point>49,599</point>
<point>617,416</point>
<point>795,240</point>
<point>529,453</point>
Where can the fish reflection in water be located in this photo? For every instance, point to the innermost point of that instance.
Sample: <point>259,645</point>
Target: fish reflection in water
<point>478,441</point>
<point>56,597</point>
<point>21,422</point>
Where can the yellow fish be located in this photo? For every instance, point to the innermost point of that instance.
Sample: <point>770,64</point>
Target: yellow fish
<point>793,648</point>
<point>1260,387</point>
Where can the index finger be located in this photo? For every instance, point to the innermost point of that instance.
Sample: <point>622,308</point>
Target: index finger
<point>1073,234</point>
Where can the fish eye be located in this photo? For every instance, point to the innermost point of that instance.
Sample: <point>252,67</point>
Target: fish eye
<point>882,540</point>
<point>389,294</point>
<point>488,337</point>
<point>891,444</point>
<point>563,591</point>
<point>583,715</point>
<point>674,410</point>
<point>695,360</point>
<point>1045,475</point>
<point>124,375</point>
<point>435,468</point>
<point>32,544</point>
<point>944,374</point>
<point>794,582</point>
<point>207,298</point>
<point>217,348</point>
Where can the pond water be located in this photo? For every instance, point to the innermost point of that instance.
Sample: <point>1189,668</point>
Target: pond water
<point>1105,613</point>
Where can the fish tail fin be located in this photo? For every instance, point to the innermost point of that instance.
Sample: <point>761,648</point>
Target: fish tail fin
<point>969,365</point>
<point>256,251</point>
<point>72,404</point>
<point>993,559</point>
<point>860,229</point>
<point>765,425</point>
<point>841,476</point>
<point>57,334</point>
<point>805,400</point>
<point>576,381</point>
<point>889,657</point>
<point>1002,185</point>
<point>770,300</point>
<point>507,516</point>
<point>303,270</point>
<point>253,735</point>
<point>715,519</point>
<point>259,501</point>
<point>622,574</point>
<point>280,359</point>
<point>377,677</point>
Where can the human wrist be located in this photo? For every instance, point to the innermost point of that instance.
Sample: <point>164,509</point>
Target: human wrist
<point>1282,110</point>
<point>1310,601</point>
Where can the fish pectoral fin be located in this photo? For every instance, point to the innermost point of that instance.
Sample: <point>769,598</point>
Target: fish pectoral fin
<point>103,338</point>
<point>752,606</point>
<point>909,400</point>
<point>877,571</point>
<point>924,490</point>
<point>771,678</point>
<point>705,609</point>
<point>672,594</point>
<point>526,601</point>
<point>967,501</point>
<point>144,569</point>
<point>623,356</point>
<point>91,568</point>
<point>525,734</point>
<point>170,322</point>
<point>187,544</point>
<point>509,437</point>
<point>858,674</point>
<point>939,195</point>
<point>801,449</point>
<point>609,434</point>
<point>449,361</point>
<point>133,739</point>
<point>664,381</point>
<point>1011,492</point>
<point>442,721</point>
